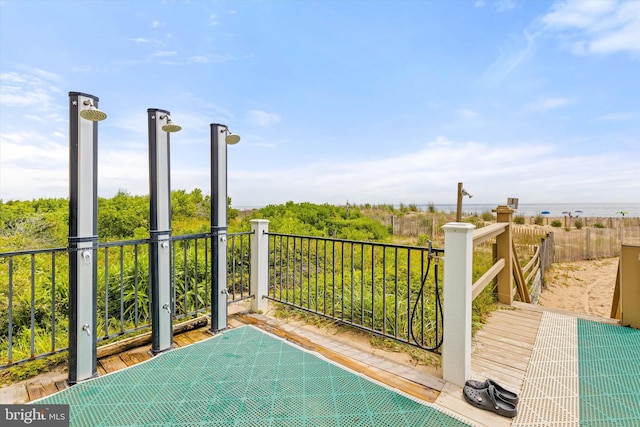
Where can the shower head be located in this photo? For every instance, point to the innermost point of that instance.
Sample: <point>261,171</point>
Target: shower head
<point>170,126</point>
<point>92,113</point>
<point>230,139</point>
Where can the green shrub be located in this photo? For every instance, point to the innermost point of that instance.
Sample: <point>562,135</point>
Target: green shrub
<point>538,220</point>
<point>487,216</point>
<point>518,219</point>
<point>578,223</point>
<point>598,225</point>
<point>556,223</point>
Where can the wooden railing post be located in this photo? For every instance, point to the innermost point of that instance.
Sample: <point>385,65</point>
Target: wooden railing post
<point>259,264</point>
<point>458,260</point>
<point>503,250</point>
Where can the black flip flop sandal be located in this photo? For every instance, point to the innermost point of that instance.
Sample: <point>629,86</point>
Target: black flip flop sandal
<point>507,395</point>
<point>489,400</point>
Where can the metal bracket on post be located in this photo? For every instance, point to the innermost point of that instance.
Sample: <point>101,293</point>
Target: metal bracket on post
<point>219,279</point>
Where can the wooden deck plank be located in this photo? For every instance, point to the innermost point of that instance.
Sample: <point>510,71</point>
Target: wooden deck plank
<point>38,389</point>
<point>489,342</point>
<point>512,340</point>
<point>511,331</point>
<point>181,340</point>
<point>14,393</point>
<point>112,363</point>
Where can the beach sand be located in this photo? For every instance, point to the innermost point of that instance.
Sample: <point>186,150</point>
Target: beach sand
<point>581,286</point>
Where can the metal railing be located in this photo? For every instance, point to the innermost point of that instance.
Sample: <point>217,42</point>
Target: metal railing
<point>34,291</point>
<point>389,290</point>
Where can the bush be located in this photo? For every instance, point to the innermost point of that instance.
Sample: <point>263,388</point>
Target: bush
<point>598,225</point>
<point>556,223</point>
<point>578,223</point>
<point>519,219</point>
<point>538,220</point>
<point>487,216</point>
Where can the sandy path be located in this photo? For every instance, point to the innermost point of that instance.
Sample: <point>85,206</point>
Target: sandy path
<point>581,286</point>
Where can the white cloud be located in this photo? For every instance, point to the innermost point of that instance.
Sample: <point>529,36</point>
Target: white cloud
<point>502,5</point>
<point>262,118</point>
<point>621,117</point>
<point>466,113</point>
<point>510,58</point>
<point>213,20</point>
<point>547,103</point>
<point>34,166</point>
<point>596,27</point>
<point>161,53</point>
<point>534,171</point>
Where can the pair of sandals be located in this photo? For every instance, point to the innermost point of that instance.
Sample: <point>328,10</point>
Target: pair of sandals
<point>491,396</point>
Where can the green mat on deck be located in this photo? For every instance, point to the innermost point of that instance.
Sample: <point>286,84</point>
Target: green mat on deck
<point>243,377</point>
<point>609,369</point>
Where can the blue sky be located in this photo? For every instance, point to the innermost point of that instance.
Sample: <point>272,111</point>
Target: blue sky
<point>336,101</point>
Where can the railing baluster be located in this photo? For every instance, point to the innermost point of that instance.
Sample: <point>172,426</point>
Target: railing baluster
<point>373,288</point>
<point>206,274</point>
<point>33,307</point>
<point>185,284</point>
<point>122,289</point>
<point>342,280</point>
<point>10,349</point>
<point>53,302</point>
<point>384,291</point>
<point>353,273</point>
<point>409,319</point>
<point>195,273</point>
<point>135,286</point>
<point>316,275</point>
<point>106,291</point>
<point>396,298</point>
<point>333,278</point>
<point>309,273</point>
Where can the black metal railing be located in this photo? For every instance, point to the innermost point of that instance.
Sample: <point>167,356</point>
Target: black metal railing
<point>34,291</point>
<point>389,290</point>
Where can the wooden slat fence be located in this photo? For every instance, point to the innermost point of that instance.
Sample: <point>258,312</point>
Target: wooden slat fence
<point>573,245</point>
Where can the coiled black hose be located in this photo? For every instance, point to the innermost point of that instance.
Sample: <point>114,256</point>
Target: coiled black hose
<point>438,304</point>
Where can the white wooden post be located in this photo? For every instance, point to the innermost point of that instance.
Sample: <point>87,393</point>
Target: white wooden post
<point>259,264</point>
<point>458,258</point>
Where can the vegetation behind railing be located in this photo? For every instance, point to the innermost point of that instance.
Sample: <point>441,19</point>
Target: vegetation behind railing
<point>34,291</point>
<point>385,289</point>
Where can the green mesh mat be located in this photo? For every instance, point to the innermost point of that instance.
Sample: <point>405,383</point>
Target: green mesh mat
<point>244,377</point>
<point>609,367</point>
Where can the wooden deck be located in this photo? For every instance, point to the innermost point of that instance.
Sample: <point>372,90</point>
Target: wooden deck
<point>502,350</point>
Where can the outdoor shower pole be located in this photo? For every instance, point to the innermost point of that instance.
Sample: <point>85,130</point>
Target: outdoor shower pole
<point>83,235</point>
<point>160,245</point>
<point>218,227</point>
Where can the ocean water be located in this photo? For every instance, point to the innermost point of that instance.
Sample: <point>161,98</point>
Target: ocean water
<point>590,210</point>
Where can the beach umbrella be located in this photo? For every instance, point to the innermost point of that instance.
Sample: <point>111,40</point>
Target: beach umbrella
<point>545,213</point>
<point>623,213</point>
<point>578,212</point>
